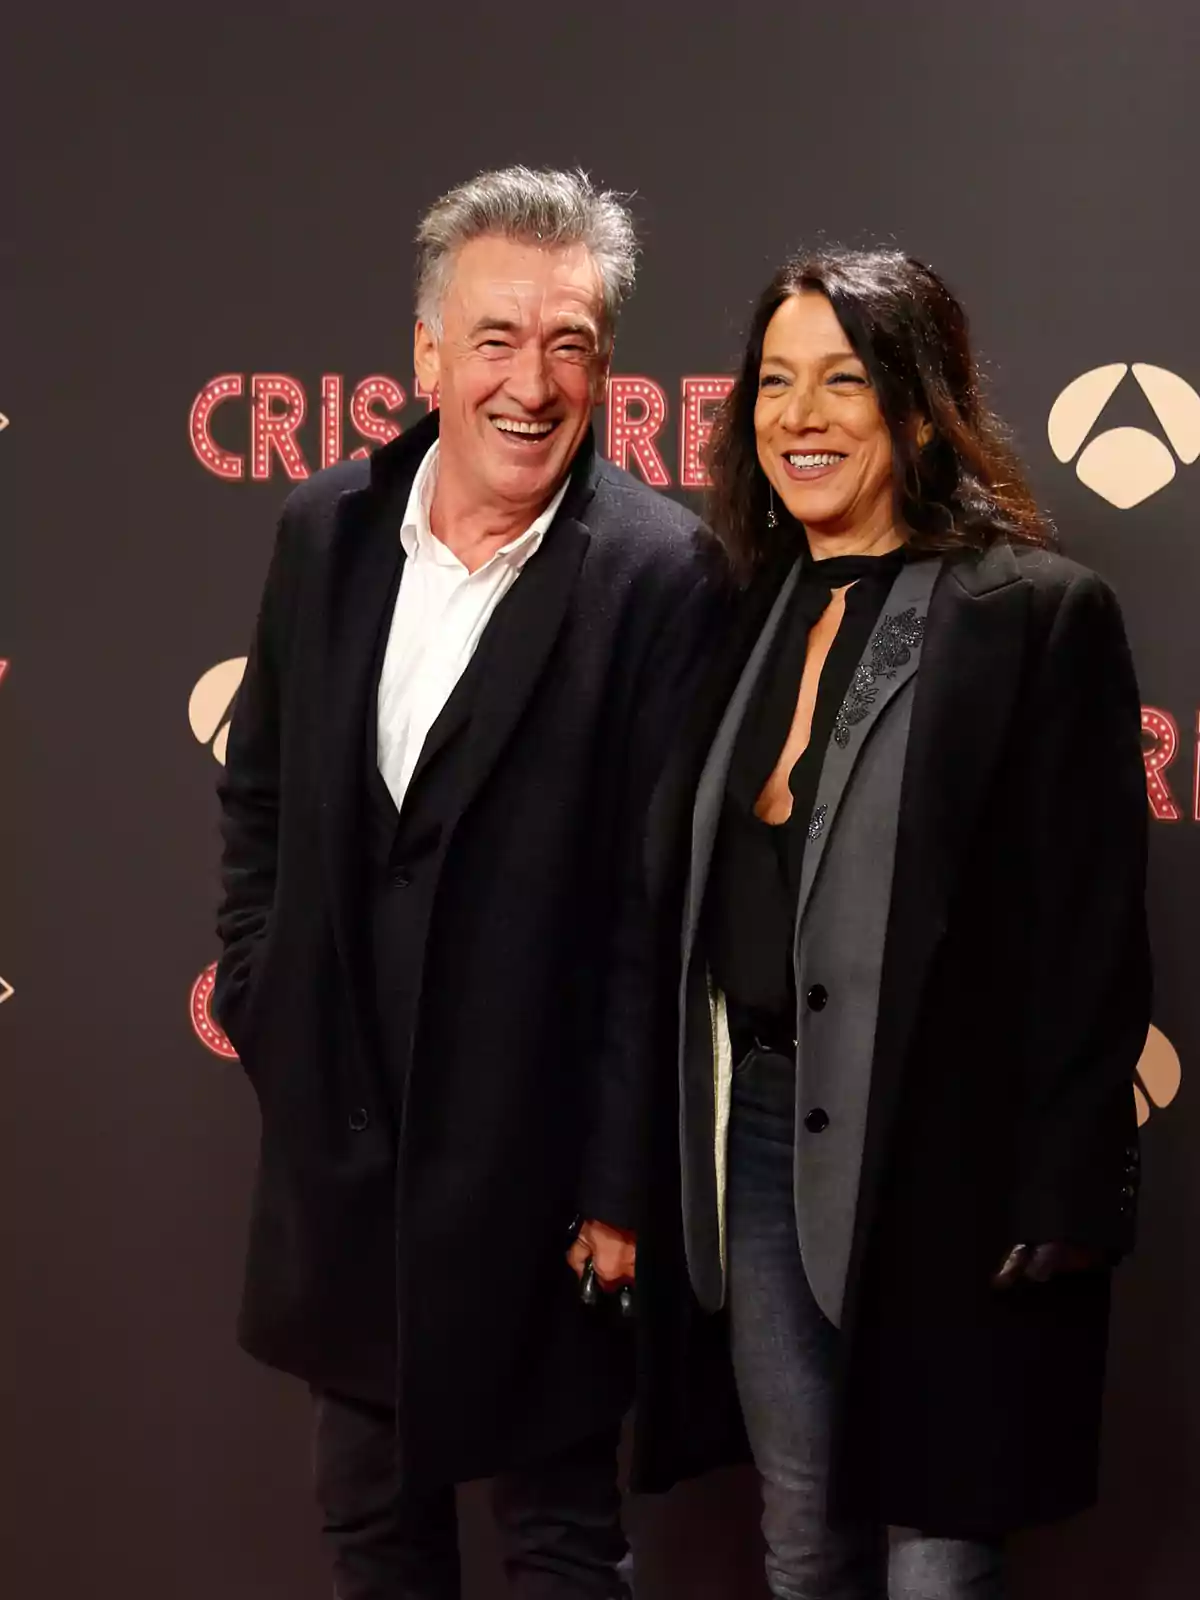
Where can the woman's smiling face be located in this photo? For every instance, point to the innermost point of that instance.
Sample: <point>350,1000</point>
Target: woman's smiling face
<point>822,439</point>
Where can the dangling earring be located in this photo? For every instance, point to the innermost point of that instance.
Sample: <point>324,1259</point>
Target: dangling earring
<point>772,519</point>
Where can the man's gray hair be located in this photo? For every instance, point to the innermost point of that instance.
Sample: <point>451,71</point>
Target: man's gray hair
<point>547,208</point>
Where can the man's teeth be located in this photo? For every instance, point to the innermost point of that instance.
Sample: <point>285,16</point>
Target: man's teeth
<point>537,430</point>
<point>827,460</point>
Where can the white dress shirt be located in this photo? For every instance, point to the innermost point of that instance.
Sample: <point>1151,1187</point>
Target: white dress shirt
<point>441,612</point>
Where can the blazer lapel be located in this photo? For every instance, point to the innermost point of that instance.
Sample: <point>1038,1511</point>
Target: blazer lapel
<point>515,648</point>
<point>965,694</point>
<point>710,791</point>
<point>892,656</point>
<point>451,720</point>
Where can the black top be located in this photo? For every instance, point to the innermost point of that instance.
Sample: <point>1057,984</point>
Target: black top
<point>755,879</point>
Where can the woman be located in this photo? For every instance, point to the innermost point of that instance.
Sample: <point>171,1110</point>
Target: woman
<point>915,967</point>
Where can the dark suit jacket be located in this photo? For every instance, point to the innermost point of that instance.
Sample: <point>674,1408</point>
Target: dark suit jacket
<point>441,1211</point>
<point>1013,1008</point>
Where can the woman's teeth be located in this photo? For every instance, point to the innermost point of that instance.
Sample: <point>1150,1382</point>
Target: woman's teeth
<point>799,461</point>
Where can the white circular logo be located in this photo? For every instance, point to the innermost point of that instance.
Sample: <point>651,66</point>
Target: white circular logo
<point>1125,465</point>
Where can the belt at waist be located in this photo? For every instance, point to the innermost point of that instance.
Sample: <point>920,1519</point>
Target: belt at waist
<point>760,1030</point>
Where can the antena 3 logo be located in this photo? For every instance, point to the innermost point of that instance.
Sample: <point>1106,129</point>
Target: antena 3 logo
<point>210,706</point>
<point>1157,1077</point>
<point>1125,465</point>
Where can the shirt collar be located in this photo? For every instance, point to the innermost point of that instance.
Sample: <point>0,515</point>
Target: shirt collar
<point>417,537</point>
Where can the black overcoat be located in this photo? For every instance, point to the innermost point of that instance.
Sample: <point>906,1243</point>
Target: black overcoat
<point>410,1218</point>
<point>1014,1006</point>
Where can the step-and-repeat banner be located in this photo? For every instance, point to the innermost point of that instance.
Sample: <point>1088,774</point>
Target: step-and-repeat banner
<point>210,300</point>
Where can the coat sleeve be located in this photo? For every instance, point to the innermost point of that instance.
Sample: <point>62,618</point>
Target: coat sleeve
<point>248,792</point>
<point>613,1182</point>
<point>1087,968</point>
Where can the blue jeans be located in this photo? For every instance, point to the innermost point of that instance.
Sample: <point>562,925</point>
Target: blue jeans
<point>784,1354</point>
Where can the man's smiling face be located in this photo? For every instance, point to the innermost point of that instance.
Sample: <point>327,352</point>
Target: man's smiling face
<point>519,363</point>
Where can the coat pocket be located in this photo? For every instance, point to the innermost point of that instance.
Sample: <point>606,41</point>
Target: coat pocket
<point>239,1006</point>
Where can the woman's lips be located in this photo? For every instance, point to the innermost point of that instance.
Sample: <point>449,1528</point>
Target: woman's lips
<point>808,466</point>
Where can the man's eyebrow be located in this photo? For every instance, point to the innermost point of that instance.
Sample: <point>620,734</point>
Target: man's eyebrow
<point>576,327</point>
<point>495,325</point>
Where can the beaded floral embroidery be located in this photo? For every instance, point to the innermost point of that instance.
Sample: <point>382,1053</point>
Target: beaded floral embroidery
<point>891,648</point>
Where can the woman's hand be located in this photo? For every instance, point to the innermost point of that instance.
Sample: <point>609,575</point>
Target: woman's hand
<point>1038,1263</point>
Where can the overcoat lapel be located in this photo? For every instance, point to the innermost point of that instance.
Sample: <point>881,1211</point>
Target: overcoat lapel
<point>710,790</point>
<point>891,657</point>
<point>362,561</point>
<point>735,629</point>
<point>974,646</point>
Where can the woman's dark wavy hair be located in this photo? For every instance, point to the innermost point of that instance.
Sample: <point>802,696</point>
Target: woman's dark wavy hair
<point>963,489</point>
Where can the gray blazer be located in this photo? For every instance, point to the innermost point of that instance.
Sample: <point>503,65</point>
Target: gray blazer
<point>841,923</point>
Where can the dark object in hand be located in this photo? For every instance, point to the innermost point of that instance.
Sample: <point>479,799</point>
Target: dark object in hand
<point>591,1293</point>
<point>589,1289</point>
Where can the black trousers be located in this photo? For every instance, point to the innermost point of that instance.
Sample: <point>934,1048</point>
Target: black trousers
<point>559,1522</point>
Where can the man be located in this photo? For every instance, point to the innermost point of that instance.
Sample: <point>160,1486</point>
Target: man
<point>436,962</point>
